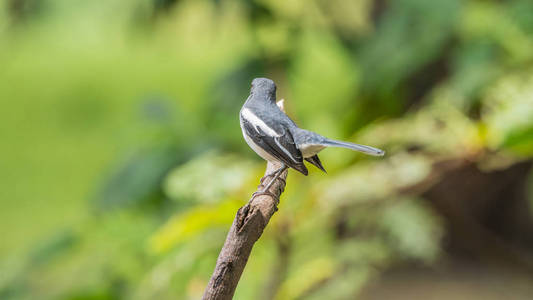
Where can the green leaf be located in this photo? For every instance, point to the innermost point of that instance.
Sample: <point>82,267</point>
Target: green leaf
<point>184,226</point>
<point>507,113</point>
<point>413,229</point>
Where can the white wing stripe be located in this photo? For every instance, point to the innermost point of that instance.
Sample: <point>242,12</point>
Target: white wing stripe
<point>256,122</point>
<point>285,150</point>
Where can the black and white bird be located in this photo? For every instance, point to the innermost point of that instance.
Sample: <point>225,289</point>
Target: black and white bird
<point>276,138</point>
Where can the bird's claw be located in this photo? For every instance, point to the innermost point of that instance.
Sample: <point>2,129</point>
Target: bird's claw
<point>270,175</point>
<point>267,193</point>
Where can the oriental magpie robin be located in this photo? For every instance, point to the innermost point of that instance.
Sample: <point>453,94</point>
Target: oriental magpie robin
<point>276,138</point>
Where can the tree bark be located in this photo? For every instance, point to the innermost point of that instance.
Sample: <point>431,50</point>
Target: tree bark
<point>247,227</point>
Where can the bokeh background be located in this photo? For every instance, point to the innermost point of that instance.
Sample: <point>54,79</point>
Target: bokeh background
<point>122,163</point>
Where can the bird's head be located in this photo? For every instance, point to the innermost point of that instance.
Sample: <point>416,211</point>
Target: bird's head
<point>264,87</point>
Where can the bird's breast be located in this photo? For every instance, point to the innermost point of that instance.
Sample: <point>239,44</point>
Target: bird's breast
<point>265,155</point>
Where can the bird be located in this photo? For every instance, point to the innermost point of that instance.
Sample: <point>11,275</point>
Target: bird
<point>276,138</point>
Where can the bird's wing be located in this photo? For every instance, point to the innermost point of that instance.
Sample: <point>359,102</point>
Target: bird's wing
<point>274,139</point>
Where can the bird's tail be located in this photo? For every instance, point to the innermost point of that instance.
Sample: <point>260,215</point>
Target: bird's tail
<point>316,162</point>
<point>356,147</point>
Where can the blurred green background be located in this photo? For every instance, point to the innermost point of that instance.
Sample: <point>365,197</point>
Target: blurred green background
<point>122,163</point>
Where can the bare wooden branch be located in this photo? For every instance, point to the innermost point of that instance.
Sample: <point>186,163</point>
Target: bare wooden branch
<point>247,227</point>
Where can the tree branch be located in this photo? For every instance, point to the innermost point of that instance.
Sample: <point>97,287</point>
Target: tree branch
<point>247,227</point>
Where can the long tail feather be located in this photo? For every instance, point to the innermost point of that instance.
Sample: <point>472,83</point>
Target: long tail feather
<point>356,147</point>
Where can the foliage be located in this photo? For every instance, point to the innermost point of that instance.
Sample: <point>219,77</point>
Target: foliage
<point>123,164</point>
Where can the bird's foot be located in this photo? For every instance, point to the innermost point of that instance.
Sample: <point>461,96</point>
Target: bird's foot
<point>270,175</point>
<point>267,193</point>
<point>276,173</point>
<point>266,189</point>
